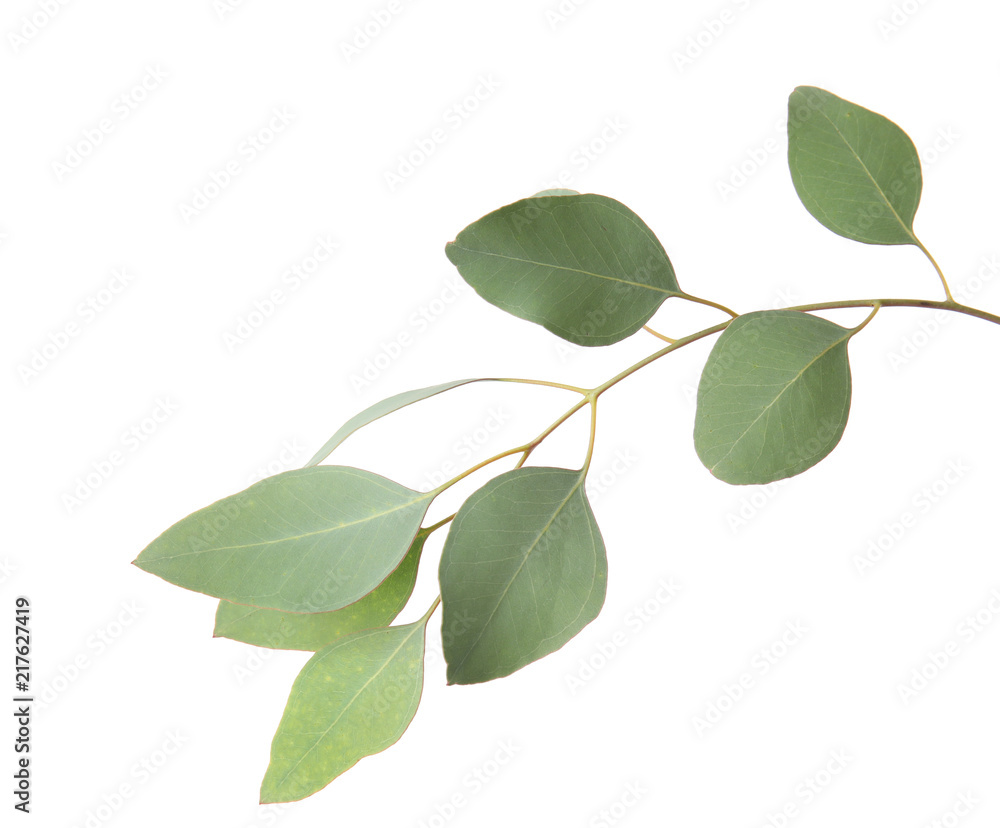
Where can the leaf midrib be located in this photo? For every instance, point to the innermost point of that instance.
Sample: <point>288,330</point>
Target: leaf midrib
<point>510,582</point>
<point>287,538</point>
<point>653,288</point>
<point>871,178</point>
<point>417,626</point>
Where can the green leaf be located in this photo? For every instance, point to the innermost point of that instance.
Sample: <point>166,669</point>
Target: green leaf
<point>352,699</point>
<point>313,631</point>
<point>380,409</point>
<point>309,540</point>
<point>856,171</point>
<point>583,266</point>
<point>523,571</point>
<point>774,396</point>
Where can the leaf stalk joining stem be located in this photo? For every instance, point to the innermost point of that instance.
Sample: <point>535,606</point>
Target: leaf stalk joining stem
<point>591,395</point>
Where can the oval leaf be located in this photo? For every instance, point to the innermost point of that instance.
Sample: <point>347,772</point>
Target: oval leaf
<point>583,266</point>
<point>309,540</point>
<point>380,409</point>
<point>523,571</point>
<point>352,699</point>
<point>856,171</point>
<point>774,396</point>
<point>313,631</point>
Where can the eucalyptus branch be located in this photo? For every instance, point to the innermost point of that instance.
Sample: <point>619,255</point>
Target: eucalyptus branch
<point>947,305</point>
<point>324,558</point>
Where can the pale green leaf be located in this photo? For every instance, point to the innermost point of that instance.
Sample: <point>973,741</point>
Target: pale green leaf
<point>583,266</point>
<point>380,409</point>
<point>313,631</point>
<point>309,540</point>
<point>353,698</point>
<point>774,396</point>
<point>856,171</point>
<point>523,571</point>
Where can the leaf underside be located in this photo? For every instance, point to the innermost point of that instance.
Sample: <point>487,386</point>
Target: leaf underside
<point>774,396</point>
<point>309,540</point>
<point>855,171</point>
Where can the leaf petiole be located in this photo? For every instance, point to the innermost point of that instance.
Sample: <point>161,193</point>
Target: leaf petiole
<point>875,309</point>
<point>709,303</point>
<point>940,273</point>
<point>593,436</point>
<point>548,383</point>
<point>427,530</point>
<point>658,335</point>
<point>427,615</point>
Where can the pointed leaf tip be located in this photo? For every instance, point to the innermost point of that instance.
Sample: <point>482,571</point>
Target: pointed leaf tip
<point>381,409</point>
<point>352,699</point>
<point>309,540</point>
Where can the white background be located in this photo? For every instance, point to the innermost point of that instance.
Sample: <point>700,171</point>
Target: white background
<point>127,662</point>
